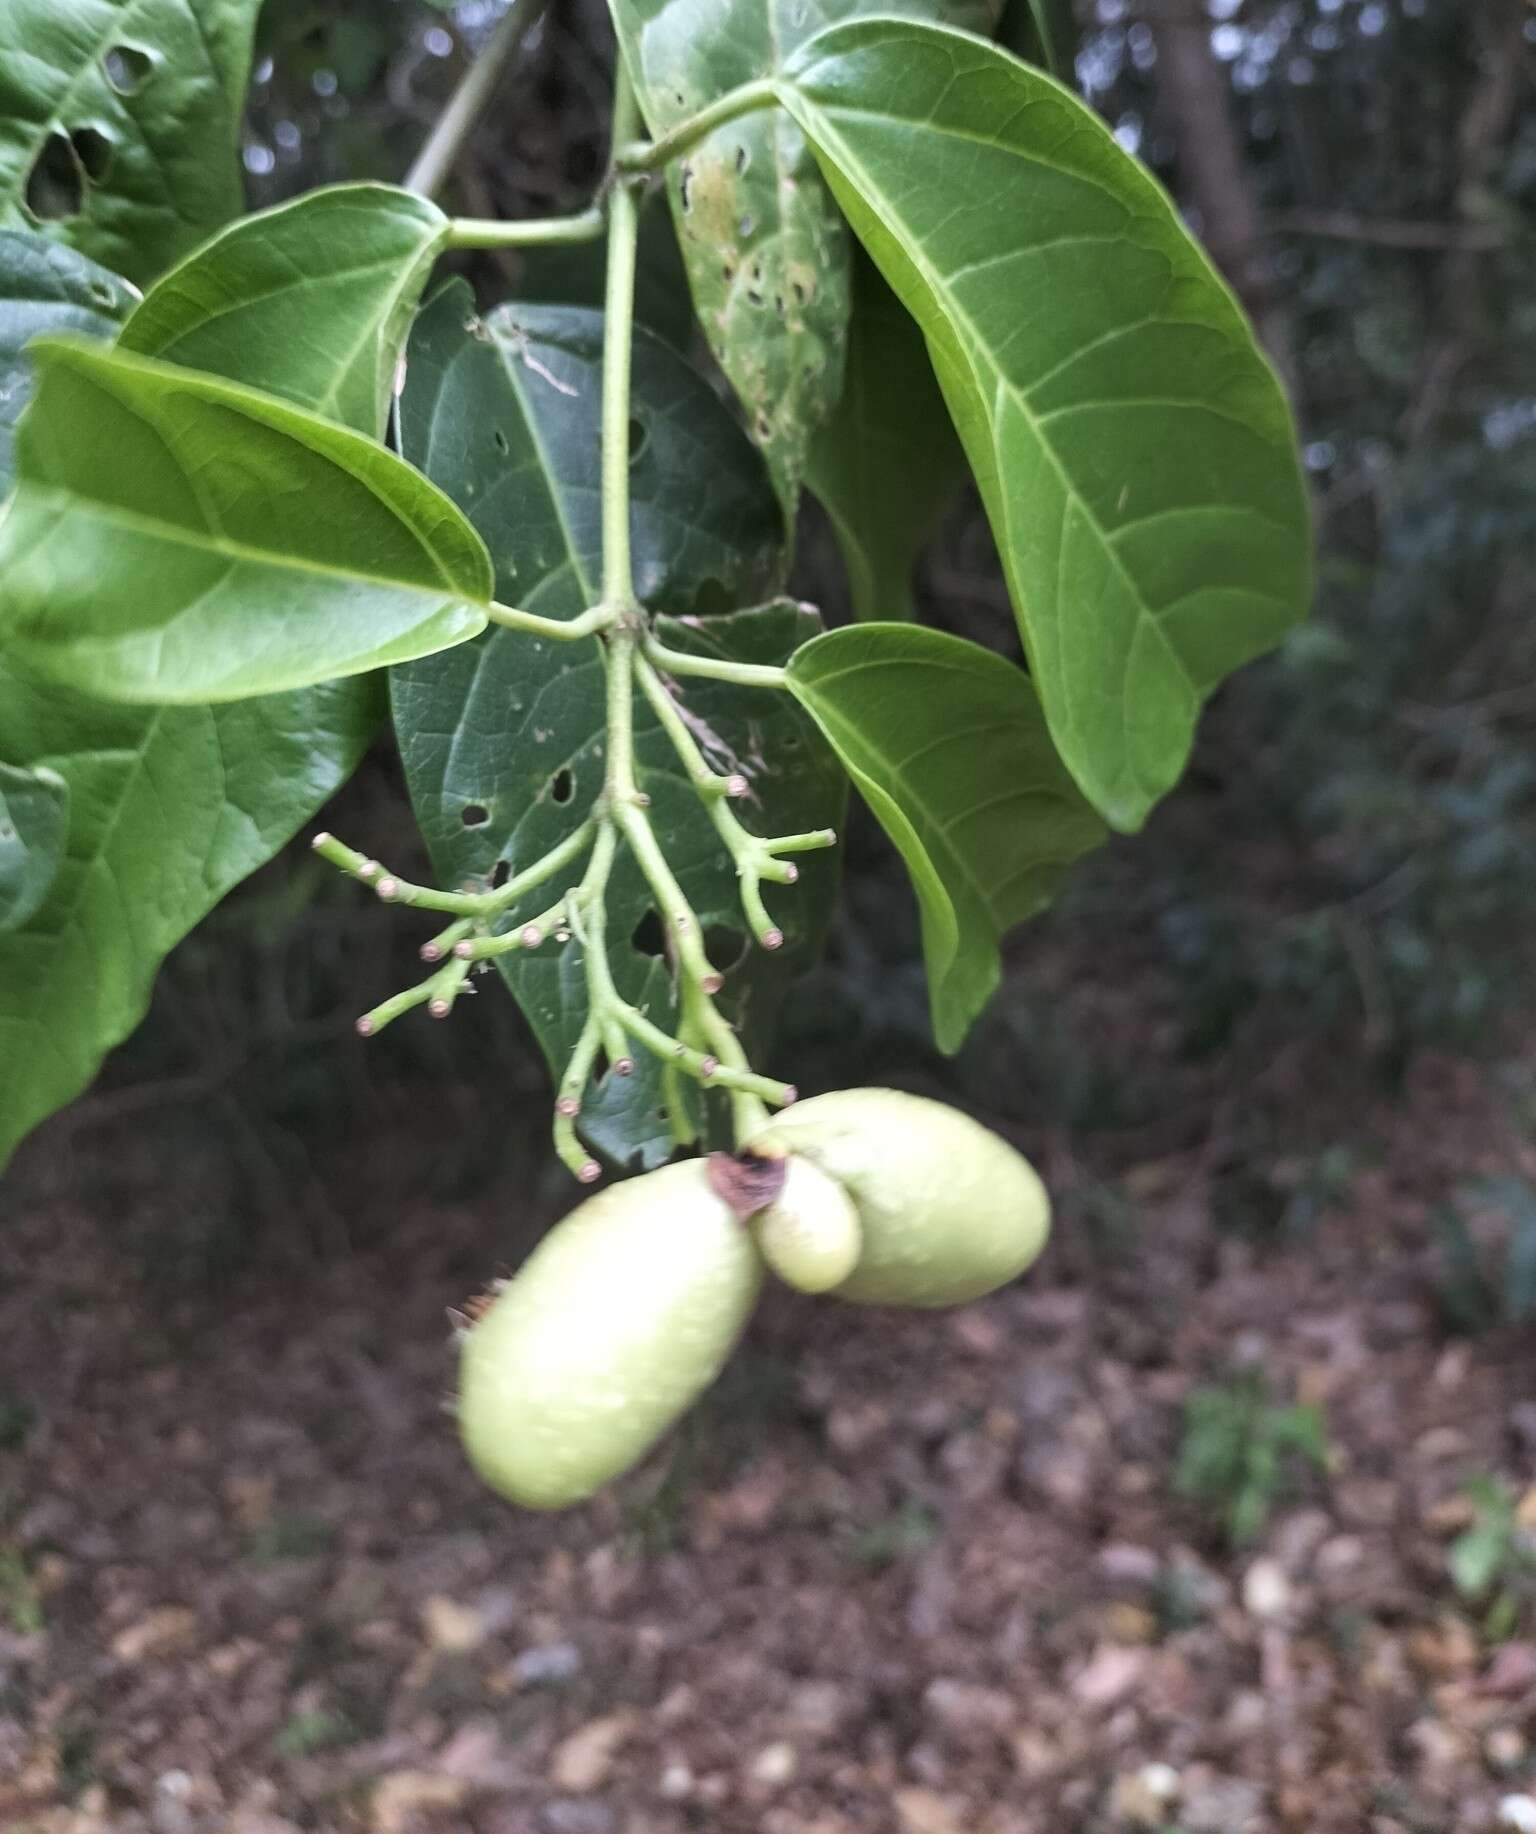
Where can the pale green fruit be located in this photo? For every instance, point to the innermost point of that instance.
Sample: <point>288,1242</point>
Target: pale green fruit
<point>809,1234</point>
<point>616,1323</point>
<point>947,1210</point>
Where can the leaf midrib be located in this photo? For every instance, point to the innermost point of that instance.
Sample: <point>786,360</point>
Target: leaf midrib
<point>971,344</point>
<point>114,516</point>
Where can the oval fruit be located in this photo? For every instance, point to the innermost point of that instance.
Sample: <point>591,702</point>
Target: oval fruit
<point>947,1210</point>
<point>616,1323</point>
<point>809,1235</point>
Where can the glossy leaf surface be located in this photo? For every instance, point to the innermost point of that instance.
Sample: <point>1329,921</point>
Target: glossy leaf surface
<point>888,462</point>
<point>317,293</point>
<point>46,287</point>
<point>1133,447</point>
<point>119,122</point>
<point>179,539</point>
<point>502,740</point>
<point>945,742</point>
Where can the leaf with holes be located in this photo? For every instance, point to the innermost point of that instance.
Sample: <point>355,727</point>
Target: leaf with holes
<point>34,806</point>
<point>43,288</point>
<point>319,292</point>
<point>1133,448</point>
<point>766,253</point>
<point>502,740</point>
<point>945,742</point>
<point>179,539</point>
<point>119,123</point>
<point>888,462</point>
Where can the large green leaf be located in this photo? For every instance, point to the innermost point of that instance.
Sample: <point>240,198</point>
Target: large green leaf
<point>888,461</point>
<point>502,739</point>
<point>34,807</point>
<point>1133,447</point>
<point>119,121</point>
<point>945,742</point>
<point>168,809</point>
<point>317,294</point>
<point>45,287</point>
<point>766,253</point>
<point>178,539</point>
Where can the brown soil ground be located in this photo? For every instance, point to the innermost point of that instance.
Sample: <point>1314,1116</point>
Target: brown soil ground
<point>922,1573</point>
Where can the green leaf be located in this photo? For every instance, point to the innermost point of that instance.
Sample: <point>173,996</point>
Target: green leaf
<point>44,287</point>
<point>34,806</point>
<point>502,739</point>
<point>888,462</point>
<point>179,539</point>
<point>945,742</point>
<point>119,123</point>
<point>1133,448</point>
<point>318,294</point>
<point>169,808</point>
<point>766,252</point>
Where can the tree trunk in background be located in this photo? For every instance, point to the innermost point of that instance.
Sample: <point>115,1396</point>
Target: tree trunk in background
<point>1213,175</point>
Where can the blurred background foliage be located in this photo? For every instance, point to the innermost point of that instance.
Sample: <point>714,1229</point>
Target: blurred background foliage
<point>1347,877</point>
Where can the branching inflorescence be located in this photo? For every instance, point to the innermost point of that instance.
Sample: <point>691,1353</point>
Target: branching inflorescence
<point>705,1045</point>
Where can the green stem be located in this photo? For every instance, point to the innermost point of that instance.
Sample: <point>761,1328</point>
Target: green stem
<point>715,668</point>
<point>618,340</point>
<point>752,854</point>
<point>431,166</point>
<point>651,156</point>
<point>562,630</point>
<point>532,232</point>
<point>483,905</point>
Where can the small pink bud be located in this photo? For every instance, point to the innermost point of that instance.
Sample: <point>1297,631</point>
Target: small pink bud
<point>623,1066</point>
<point>712,982</point>
<point>736,784</point>
<point>464,950</point>
<point>568,1106</point>
<point>431,952</point>
<point>364,1027</point>
<point>388,889</point>
<point>773,939</point>
<point>790,1097</point>
<point>590,1172</point>
<point>322,839</point>
<point>370,869</point>
<point>439,1008</point>
<point>791,872</point>
<point>708,1068</point>
<point>532,936</point>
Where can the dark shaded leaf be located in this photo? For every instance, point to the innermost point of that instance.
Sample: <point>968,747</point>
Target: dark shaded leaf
<point>502,740</point>
<point>119,122</point>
